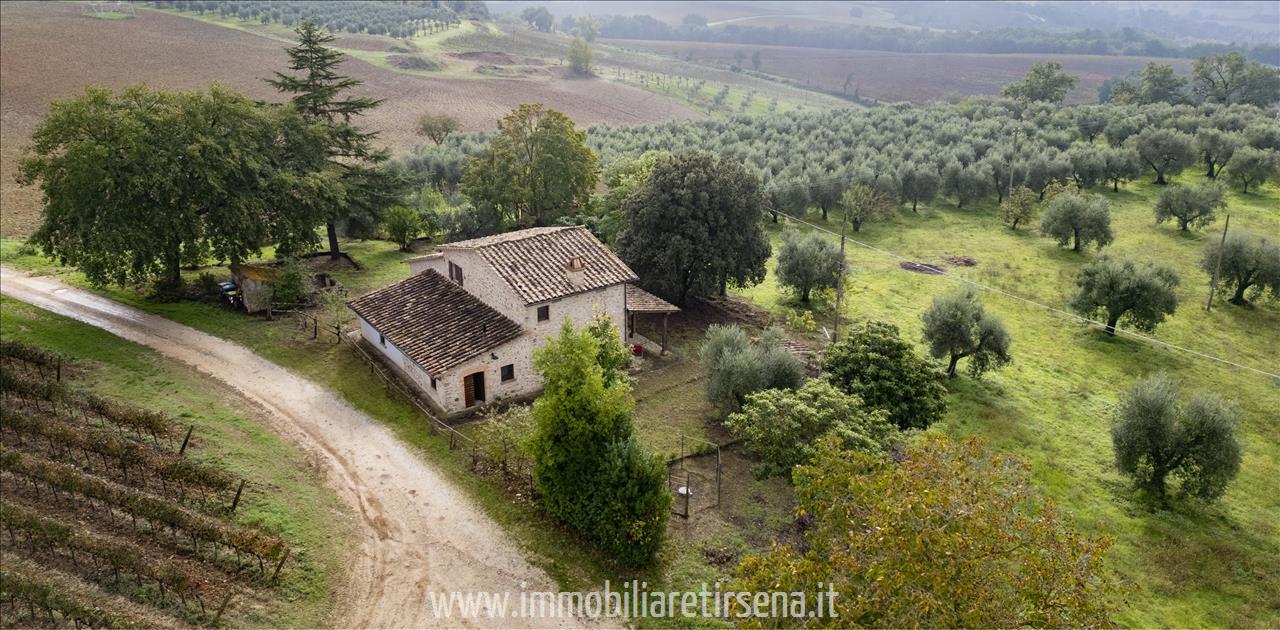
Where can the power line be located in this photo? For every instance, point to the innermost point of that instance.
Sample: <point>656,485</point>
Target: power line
<point>1091,322</point>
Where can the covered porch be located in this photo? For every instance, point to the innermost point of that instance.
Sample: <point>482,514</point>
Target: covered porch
<point>641,302</point>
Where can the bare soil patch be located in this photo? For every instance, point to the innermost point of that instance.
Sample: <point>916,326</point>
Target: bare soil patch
<point>49,51</point>
<point>914,77</point>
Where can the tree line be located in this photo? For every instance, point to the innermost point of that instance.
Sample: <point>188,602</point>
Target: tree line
<point>1126,41</point>
<point>140,184</point>
<point>395,19</point>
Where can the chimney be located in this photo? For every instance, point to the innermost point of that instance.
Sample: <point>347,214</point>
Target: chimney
<point>575,272</point>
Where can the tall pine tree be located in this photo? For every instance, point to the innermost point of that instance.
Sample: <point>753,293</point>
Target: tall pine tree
<point>323,97</point>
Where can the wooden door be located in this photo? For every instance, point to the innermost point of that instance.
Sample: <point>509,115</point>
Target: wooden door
<point>473,388</point>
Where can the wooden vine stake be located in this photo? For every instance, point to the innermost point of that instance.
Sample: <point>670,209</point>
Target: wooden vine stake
<point>187,439</point>
<point>236,501</point>
<point>226,600</point>
<point>276,573</point>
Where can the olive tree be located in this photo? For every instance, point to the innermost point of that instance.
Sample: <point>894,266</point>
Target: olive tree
<point>917,182</point>
<point>1191,206</point>
<point>1120,164</point>
<point>736,366</point>
<point>1118,288</point>
<point>1253,167</point>
<point>1215,148</point>
<point>966,183</point>
<point>1156,437</point>
<point>1078,219</point>
<point>1242,263</point>
<point>808,262</point>
<point>956,326</point>
<point>1165,151</point>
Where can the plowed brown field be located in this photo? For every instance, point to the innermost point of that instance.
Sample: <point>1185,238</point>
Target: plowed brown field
<point>919,77</point>
<point>48,50</point>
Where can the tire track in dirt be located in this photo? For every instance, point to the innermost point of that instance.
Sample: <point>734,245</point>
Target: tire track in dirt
<point>416,532</point>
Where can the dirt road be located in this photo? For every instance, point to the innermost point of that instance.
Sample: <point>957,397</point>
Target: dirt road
<point>417,534</point>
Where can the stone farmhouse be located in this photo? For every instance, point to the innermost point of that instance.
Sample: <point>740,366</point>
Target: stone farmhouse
<point>462,328</point>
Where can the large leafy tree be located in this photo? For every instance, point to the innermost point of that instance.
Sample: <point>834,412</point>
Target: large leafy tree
<point>1078,219</point>
<point>589,470</point>
<point>579,56</point>
<point>1165,151</point>
<point>536,169</point>
<point>808,262</point>
<point>695,227</point>
<point>134,183</point>
<point>1244,263</point>
<point>944,535</point>
<point>1044,82</point>
<point>1191,206</point>
<point>437,127</point>
<point>877,365</point>
<point>1120,289</point>
<point>1157,437</point>
<point>1230,78</point>
<point>323,96</point>
<point>1158,83</point>
<point>957,326</point>
<point>782,426</point>
<point>1020,206</point>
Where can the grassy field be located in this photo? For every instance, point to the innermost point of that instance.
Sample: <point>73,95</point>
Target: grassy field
<point>286,496</point>
<point>1195,565</point>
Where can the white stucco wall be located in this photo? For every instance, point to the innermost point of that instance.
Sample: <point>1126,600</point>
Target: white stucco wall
<point>404,364</point>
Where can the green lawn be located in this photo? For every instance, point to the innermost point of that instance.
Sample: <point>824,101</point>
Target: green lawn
<point>286,494</point>
<point>1193,566</point>
<point>1213,565</point>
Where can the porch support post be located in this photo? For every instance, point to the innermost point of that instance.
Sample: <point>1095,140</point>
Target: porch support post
<point>664,333</point>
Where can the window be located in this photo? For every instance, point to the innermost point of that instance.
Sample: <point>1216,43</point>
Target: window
<point>508,372</point>
<point>382,340</point>
<point>433,382</point>
<point>544,313</point>
<point>455,273</point>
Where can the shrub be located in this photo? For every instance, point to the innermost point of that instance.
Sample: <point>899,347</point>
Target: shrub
<point>291,286</point>
<point>737,367</point>
<point>875,364</point>
<point>588,470</point>
<point>782,427</point>
<point>403,225</point>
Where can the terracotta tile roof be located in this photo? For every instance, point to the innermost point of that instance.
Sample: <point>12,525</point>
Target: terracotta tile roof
<point>434,322</point>
<point>536,261</point>
<point>641,301</point>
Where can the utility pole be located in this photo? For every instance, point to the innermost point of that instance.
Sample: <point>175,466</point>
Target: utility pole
<point>1213,282</point>
<point>844,216</point>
